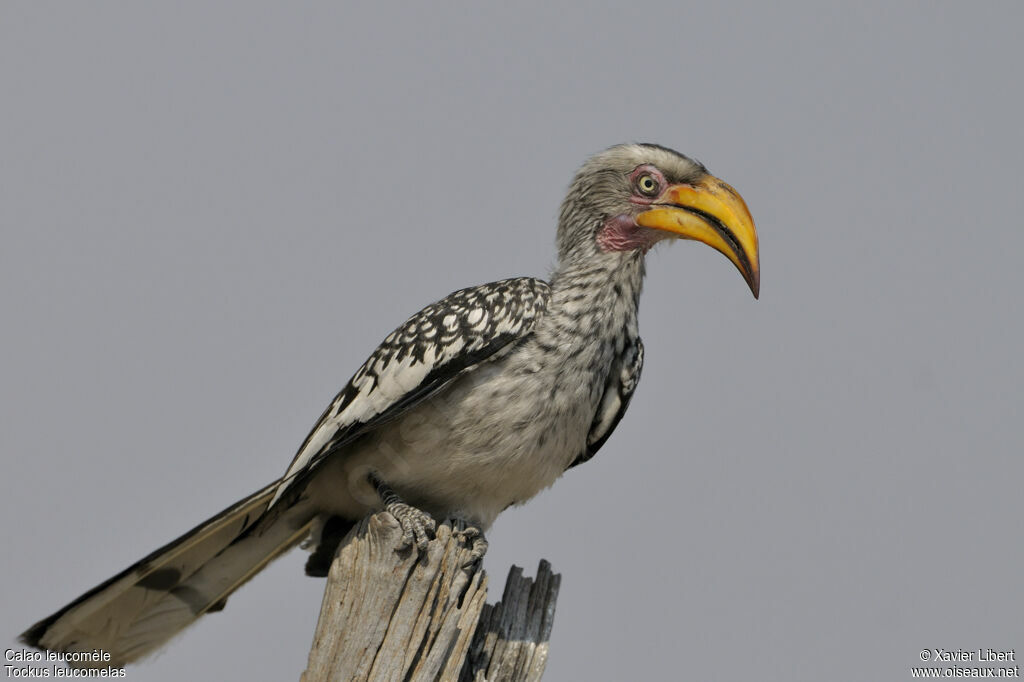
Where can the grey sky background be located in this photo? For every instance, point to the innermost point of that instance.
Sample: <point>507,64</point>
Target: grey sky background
<point>212,212</point>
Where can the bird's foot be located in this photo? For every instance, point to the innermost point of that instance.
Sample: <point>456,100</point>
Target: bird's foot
<point>478,544</point>
<point>417,525</point>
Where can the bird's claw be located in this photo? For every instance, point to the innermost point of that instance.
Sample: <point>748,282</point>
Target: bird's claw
<point>477,542</point>
<point>417,525</point>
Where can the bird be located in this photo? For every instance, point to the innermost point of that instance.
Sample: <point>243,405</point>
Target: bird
<point>474,404</point>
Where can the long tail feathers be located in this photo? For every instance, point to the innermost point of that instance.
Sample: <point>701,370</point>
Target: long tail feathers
<point>144,606</point>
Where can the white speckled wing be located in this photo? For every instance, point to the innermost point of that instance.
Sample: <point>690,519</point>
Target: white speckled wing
<point>430,349</point>
<point>618,392</point>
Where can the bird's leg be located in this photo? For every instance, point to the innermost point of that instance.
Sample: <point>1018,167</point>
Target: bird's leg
<point>417,525</point>
<point>469,533</point>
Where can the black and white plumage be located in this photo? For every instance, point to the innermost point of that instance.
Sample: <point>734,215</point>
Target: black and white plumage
<point>430,349</point>
<point>618,391</point>
<point>476,403</point>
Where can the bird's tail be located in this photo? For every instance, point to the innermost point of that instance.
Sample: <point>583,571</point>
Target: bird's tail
<point>138,610</point>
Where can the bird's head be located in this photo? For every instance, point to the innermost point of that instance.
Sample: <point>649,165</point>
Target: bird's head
<point>631,196</point>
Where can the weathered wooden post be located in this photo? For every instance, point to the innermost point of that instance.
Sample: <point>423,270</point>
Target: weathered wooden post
<point>390,615</point>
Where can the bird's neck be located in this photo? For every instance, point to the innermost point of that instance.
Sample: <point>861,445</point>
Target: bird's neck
<point>601,294</point>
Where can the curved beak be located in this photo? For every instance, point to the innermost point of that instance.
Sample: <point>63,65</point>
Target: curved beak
<point>712,212</point>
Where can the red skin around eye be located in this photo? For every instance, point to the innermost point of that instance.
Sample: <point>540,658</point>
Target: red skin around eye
<point>646,169</point>
<point>621,233</point>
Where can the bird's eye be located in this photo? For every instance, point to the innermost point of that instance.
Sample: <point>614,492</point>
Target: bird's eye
<point>647,184</point>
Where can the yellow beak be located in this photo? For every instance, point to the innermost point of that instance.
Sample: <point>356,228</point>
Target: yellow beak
<point>712,212</point>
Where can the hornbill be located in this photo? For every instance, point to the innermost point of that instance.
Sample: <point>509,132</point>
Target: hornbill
<point>475,403</point>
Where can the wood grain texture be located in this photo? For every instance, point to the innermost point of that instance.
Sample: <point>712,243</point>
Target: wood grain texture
<point>511,641</point>
<point>390,615</point>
